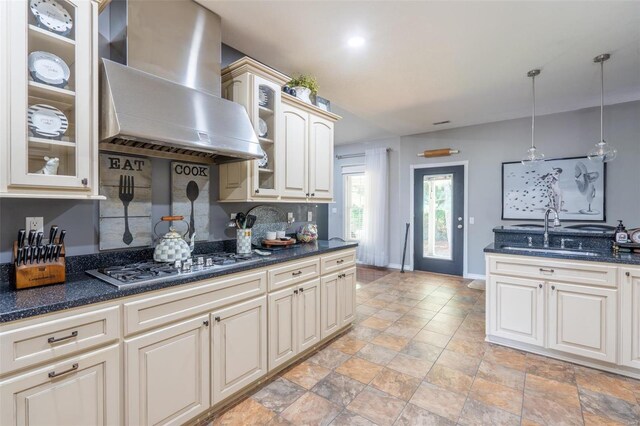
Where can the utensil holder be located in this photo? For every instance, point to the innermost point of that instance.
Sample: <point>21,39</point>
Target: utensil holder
<point>243,241</point>
<point>38,274</point>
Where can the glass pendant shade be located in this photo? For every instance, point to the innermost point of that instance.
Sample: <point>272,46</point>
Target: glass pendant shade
<point>602,151</point>
<point>534,155</point>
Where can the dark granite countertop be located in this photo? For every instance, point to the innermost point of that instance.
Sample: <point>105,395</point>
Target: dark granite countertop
<point>553,231</point>
<point>604,256</point>
<point>81,289</point>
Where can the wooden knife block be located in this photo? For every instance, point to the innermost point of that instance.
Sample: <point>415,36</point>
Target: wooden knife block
<point>37,274</point>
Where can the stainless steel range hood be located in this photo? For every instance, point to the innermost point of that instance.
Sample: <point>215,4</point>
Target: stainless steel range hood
<point>163,102</point>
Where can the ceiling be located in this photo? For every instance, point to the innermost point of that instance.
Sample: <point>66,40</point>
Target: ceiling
<point>425,62</point>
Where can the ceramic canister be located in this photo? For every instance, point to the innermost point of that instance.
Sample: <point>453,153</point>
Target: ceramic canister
<point>243,241</point>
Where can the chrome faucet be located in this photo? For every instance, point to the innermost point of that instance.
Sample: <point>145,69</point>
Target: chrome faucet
<point>556,222</point>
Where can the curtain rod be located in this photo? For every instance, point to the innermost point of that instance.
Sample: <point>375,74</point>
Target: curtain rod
<point>360,154</point>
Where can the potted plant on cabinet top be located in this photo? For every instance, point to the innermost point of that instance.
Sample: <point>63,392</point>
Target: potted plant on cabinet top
<point>304,86</point>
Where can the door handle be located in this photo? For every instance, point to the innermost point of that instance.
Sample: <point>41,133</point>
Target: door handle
<point>459,226</point>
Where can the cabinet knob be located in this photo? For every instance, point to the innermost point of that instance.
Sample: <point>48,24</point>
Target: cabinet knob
<point>553,287</point>
<point>307,194</point>
<point>540,285</point>
<point>85,181</point>
<point>628,273</point>
<point>257,191</point>
<point>302,290</point>
<point>295,291</point>
<point>205,323</point>
<point>217,319</point>
<point>313,194</point>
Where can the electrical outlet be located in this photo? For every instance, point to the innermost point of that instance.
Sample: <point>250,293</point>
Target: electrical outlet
<point>309,216</point>
<point>334,210</point>
<point>233,216</point>
<point>290,217</point>
<point>472,220</point>
<point>35,223</point>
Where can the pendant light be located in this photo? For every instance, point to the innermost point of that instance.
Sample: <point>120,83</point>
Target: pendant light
<point>534,155</point>
<point>602,152</point>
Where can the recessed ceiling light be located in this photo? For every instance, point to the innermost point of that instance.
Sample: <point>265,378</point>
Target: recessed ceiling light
<point>356,41</point>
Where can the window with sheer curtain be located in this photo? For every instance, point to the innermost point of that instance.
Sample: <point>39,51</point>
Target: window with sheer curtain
<point>354,189</point>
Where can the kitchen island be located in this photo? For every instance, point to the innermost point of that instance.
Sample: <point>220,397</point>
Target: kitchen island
<point>177,350</point>
<point>579,303</point>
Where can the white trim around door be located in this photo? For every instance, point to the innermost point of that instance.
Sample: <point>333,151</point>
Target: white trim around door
<point>465,250</point>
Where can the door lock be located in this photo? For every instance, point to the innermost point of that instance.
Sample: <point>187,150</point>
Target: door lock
<point>459,226</point>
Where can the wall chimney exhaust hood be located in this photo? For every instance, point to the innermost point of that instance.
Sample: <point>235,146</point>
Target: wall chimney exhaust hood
<point>160,89</point>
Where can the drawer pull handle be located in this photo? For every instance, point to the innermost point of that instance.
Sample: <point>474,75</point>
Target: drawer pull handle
<point>550,271</point>
<point>339,261</point>
<point>295,274</point>
<point>59,339</point>
<point>53,374</point>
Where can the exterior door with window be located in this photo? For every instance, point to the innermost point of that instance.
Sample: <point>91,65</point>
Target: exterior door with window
<point>439,220</point>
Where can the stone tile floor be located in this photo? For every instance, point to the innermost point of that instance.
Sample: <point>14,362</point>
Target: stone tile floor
<point>417,356</point>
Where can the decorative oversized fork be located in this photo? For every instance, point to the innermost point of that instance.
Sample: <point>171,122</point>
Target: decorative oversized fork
<point>125,193</point>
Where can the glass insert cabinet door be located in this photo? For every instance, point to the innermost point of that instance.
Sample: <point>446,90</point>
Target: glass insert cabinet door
<point>438,219</point>
<point>52,58</point>
<point>266,110</point>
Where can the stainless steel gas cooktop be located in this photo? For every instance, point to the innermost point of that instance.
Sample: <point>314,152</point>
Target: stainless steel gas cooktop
<point>147,272</point>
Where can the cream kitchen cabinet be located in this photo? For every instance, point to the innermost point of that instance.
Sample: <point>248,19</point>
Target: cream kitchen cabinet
<point>81,390</point>
<point>294,321</point>
<point>238,347</point>
<point>517,311</point>
<point>24,150</point>
<point>337,291</point>
<point>298,141</point>
<point>167,374</point>
<point>583,320</point>
<point>630,316</point>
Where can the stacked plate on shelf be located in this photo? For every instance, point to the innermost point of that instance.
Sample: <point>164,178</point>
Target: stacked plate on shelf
<point>46,121</point>
<point>47,68</point>
<point>263,97</point>
<point>52,16</point>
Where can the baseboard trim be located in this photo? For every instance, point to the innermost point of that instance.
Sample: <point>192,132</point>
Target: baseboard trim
<point>399,266</point>
<point>475,277</point>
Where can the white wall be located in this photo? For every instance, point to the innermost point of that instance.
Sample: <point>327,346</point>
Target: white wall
<point>486,146</point>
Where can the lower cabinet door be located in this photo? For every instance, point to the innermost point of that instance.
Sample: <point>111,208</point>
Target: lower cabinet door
<point>630,316</point>
<point>517,309</point>
<point>330,304</point>
<point>238,347</point>
<point>583,320</point>
<point>308,314</point>
<point>167,374</point>
<point>83,390</point>
<point>282,327</point>
<point>348,297</point>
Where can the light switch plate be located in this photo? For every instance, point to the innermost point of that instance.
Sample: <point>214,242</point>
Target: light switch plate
<point>472,220</point>
<point>309,216</point>
<point>290,216</point>
<point>35,223</point>
<point>334,210</point>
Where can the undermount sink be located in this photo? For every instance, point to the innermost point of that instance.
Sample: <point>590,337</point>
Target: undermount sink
<point>529,225</point>
<point>553,250</point>
<point>592,227</point>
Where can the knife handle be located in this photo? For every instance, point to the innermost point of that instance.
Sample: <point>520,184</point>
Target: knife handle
<point>21,235</point>
<point>39,238</point>
<point>32,236</point>
<point>19,256</point>
<point>52,233</point>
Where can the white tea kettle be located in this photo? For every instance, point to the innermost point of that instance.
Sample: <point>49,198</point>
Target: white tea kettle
<point>173,246</point>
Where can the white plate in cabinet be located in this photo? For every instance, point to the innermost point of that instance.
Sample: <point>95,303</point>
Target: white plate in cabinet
<point>518,309</point>
<point>238,347</point>
<point>167,374</point>
<point>294,273</point>
<point>630,316</point>
<point>83,390</point>
<point>47,340</point>
<point>337,261</point>
<point>583,320</point>
<point>175,305</point>
<point>587,273</point>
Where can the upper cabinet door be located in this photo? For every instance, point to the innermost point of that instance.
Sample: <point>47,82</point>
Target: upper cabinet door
<point>320,158</point>
<point>630,316</point>
<point>266,107</point>
<point>53,119</point>
<point>294,144</point>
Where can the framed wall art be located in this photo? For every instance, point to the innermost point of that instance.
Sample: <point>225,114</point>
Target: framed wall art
<point>575,187</point>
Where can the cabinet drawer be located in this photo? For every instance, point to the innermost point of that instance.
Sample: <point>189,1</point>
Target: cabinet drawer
<point>338,261</point>
<point>293,273</point>
<point>153,311</point>
<point>536,268</point>
<point>47,340</point>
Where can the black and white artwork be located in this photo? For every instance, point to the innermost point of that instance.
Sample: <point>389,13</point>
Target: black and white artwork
<point>125,216</point>
<point>573,186</point>
<point>190,197</point>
